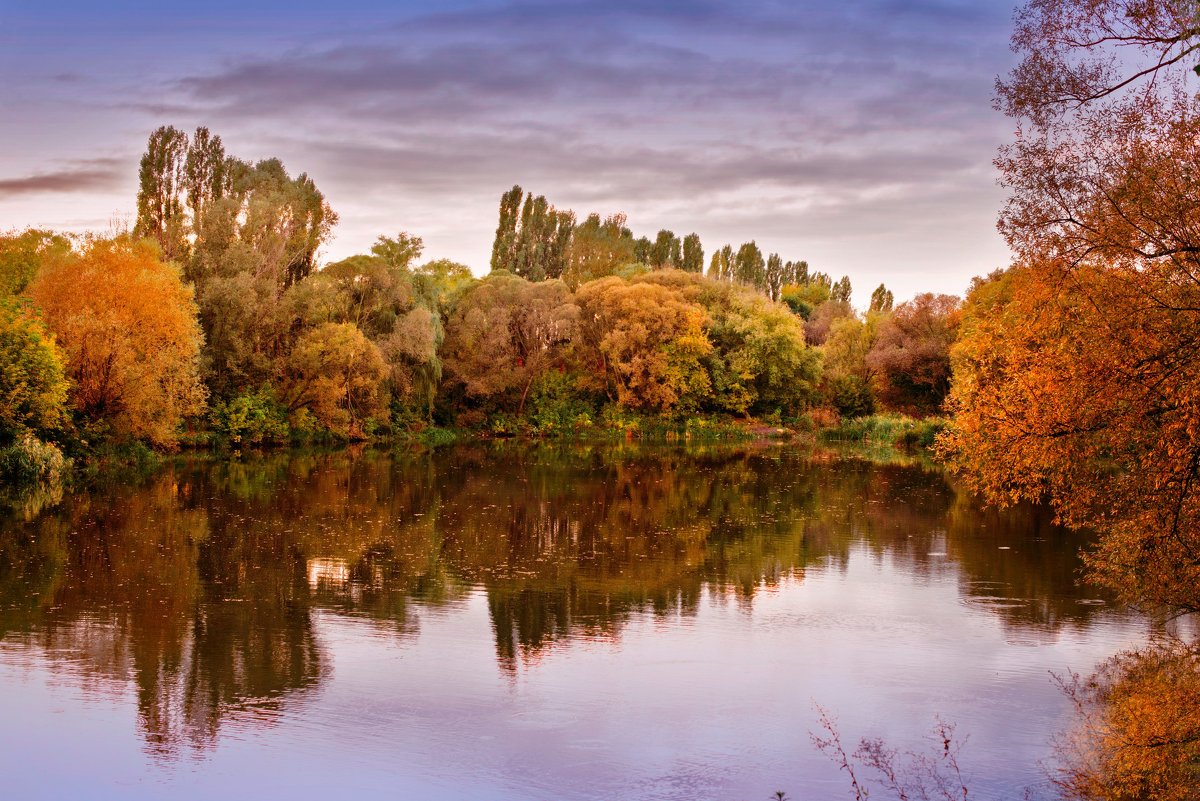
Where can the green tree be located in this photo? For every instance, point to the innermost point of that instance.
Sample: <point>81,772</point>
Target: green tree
<point>882,299</point>
<point>505,244</point>
<point>774,277</point>
<point>400,251</point>
<point>205,178</point>
<point>598,248</point>
<point>533,243</point>
<point>667,250</point>
<point>841,290</point>
<point>693,254</point>
<point>21,254</point>
<point>161,201</point>
<point>847,378</point>
<point>721,267</point>
<point>33,387</point>
<point>749,267</point>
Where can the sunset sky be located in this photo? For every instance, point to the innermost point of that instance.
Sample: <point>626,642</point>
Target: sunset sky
<point>856,135</point>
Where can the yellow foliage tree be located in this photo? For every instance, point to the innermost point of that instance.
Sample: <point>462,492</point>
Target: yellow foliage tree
<point>646,343</point>
<point>127,324</point>
<point>336,373</point>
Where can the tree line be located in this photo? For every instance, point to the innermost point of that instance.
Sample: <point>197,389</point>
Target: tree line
<point>214,315</point>
<point>537,241</point>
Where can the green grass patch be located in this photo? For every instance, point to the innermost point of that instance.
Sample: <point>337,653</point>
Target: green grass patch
<point>886,429</point>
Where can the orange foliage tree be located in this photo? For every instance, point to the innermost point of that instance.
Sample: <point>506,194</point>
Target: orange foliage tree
<point>504,335</point>
<point>127,324</point>
<point>910,357</point>
<point>1078,373</point>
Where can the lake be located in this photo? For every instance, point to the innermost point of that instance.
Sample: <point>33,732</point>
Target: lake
<point>515,621</point>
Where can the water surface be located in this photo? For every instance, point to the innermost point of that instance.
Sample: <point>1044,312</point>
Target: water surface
<point>526,622</point>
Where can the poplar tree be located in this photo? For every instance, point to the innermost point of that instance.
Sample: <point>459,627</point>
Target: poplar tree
<point>506,232</point>
<point>666,251</point>
<point>749,266</point>
<point>161,183</point>
<point>881,299</point>
<point>693,254</point>
<point>204,174</point>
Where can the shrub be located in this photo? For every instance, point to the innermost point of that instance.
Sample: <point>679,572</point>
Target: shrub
<point>30,460</point>
<point>252,418</point>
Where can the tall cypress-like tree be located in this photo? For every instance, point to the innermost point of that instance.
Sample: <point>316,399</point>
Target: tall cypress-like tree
<point>749,266</point>
<point>504,246</point>
<point>795,273</point>
<point>721,266</point>
<point>205,174</point>
<point>642,247</point>
<point>533,243</point>
<point>693,254</point>
<point>882,299</point>
<point>774,276</point>
<point>841,290</point>
<point>666,250</point>
<point>161,184</point>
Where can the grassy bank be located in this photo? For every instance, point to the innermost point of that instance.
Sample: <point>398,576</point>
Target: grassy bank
<point>892,430</point>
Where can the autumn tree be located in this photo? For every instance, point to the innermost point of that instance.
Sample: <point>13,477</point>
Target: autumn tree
<point>337,374</point>
<point>911,353</point>
<point>644,344</point>
<point>127,325</point>
<point>505,334</point>
<point>1076,378</point>
<point>1137,730</point>
<point>395,305</point>
<point>759,362</point>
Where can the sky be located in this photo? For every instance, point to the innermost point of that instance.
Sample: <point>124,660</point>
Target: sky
<point>857,135</point>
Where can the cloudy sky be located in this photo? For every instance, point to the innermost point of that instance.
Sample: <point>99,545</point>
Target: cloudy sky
<point>857,135</point>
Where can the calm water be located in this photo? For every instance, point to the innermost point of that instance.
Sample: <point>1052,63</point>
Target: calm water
<point>528,623</point>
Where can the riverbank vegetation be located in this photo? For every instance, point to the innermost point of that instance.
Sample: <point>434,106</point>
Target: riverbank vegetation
<point>213,323</point>
<point>1070,377</point>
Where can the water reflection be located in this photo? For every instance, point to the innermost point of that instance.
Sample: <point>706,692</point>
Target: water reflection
<point>202,585</point>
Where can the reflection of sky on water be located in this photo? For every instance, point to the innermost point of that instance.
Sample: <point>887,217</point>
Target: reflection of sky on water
<point>715,704</point>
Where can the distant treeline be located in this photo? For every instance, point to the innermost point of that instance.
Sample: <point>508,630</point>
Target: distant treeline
<point>214,317</point>
<point>537,241</point>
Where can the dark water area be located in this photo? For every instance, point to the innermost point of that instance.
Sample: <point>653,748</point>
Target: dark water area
<point>528,622</point>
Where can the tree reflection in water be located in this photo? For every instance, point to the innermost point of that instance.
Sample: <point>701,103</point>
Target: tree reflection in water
<point>202,585</point>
